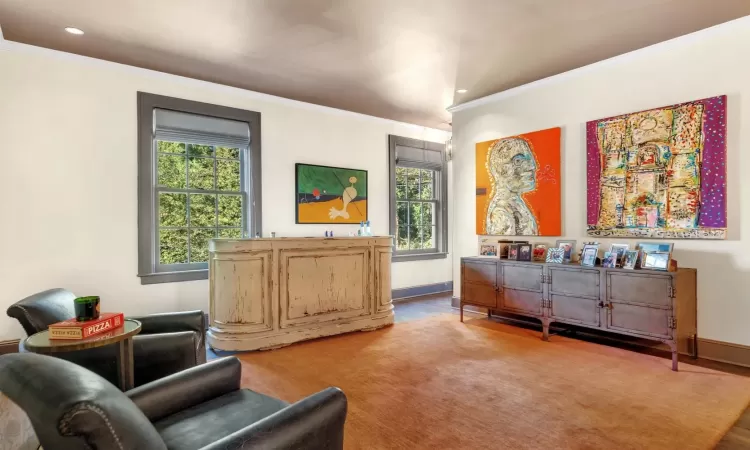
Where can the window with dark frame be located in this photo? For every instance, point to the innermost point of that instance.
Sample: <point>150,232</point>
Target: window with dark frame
<point>418,199</point>
<point>199,179</point>
<point>199,195</point>
<point>416,204</point>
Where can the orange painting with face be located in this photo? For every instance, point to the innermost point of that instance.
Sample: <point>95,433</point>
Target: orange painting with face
<point>518,185</point>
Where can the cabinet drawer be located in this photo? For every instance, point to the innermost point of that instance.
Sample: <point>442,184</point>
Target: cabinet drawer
<point>640,320</point>
<point>575,309</point>
<point>526,302</point>
<point>479,294</point>
<point>527,277</point>
<point>574,282</point>
<point>480,272</point>
<point>639,289</point>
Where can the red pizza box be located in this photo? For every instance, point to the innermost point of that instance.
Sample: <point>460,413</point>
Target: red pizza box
<point>73,329</point>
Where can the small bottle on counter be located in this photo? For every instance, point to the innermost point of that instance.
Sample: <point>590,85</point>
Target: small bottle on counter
<point>368,230</point>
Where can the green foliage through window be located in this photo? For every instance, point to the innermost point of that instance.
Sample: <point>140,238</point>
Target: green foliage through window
<point>415,209</point>
<point>199,191</point>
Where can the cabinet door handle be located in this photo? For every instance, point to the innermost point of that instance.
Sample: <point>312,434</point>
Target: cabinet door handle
<point>601,304</point>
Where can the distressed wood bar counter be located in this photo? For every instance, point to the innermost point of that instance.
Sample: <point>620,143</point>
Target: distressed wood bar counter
<point>267,293</point>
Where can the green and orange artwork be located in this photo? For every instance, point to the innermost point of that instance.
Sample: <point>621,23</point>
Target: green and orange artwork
<point>330,195</point>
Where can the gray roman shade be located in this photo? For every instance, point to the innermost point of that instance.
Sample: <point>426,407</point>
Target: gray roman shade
<point>422,157</point>
<point>184,127</point>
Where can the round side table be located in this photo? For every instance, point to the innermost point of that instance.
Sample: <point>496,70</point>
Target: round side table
<point>122,337</point>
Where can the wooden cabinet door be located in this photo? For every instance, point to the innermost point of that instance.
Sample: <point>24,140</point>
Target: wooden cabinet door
<point>640,303</point>
<point>521,289</point>
<point>479,272</point>
<point>479,294</point>
<point>573,294</point>
<point>479,282</point>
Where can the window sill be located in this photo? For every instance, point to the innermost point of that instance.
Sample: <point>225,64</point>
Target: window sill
<point>174,277</point>
<point>418,257</point>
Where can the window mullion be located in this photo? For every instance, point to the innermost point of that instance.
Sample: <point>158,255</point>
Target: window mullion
<point>156,253</point>
<point>187,202</point>
<point>245,186</point>
<point>216,196</point>
<point>408,218</point>
<point>421,223</point>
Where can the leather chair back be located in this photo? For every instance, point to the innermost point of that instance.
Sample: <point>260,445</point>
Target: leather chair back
<point>39,311</point>
<point>73,408</point>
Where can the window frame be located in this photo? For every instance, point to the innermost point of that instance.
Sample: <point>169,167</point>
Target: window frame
<point>440,191</point>
<point>149,271</point>
<point>243,193</point>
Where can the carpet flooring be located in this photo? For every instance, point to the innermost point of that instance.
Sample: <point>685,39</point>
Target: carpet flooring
<point>438,383</point>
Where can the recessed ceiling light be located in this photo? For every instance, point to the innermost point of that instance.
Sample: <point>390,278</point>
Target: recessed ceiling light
<point>462,91</point>
<point>73,30</point>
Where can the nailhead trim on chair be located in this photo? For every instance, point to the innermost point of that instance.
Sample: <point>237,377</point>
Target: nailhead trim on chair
<point>64,425</point>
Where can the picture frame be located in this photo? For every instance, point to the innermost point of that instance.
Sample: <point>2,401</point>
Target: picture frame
<point>524,252</point>
<point>587,244</point>
<point>503,247</point>
<point>330,195</point>
<point>569,246</point>
<point>513,252</point>
<point>630,259</point>
<point>488,249</point>
<point>610,259</point>
<point>619,250</point>
<point>589,254</point>
<point>656,261</point>
<point>643,247</point>
<point>539,252</point>
<point>555,255</point>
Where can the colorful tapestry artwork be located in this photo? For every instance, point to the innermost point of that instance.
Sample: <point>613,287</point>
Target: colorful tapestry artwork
<point>518,185</point>
<point>659,173</point>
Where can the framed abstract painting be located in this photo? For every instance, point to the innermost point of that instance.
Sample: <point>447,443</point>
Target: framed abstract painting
<point>330,195</point>
<point>659,173</point>
<point>518,185</point>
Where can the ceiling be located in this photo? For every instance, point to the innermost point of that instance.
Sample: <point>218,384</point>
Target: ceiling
<point>398,59</point>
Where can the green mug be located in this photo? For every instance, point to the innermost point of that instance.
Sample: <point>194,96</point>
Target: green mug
<point>87,308</point>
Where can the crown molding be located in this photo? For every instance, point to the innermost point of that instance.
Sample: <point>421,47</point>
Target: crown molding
<point>615,60</point>
<point>17,47</point>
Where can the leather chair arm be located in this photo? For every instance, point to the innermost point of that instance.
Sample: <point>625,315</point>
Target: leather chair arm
<point>172,322</point>
<point>188,388</point>
<point>313,423</point>
<point>178,321</point>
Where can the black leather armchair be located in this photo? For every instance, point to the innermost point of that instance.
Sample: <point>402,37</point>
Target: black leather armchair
<point>167,343</point>
<point>199,408</point>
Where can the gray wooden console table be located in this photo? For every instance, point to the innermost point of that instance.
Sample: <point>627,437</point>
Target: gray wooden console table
<point>643,303</point>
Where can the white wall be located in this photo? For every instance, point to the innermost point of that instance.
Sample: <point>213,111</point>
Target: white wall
<point>68,191</point>
<point>708,63</point>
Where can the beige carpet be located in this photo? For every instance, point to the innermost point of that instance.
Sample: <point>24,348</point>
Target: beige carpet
<point>438,383</point>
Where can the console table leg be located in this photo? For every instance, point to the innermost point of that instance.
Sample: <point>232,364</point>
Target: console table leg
<point>489,313</point>
<point>545,330</point>
<point>675,355</point>
<point>461,307</point>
